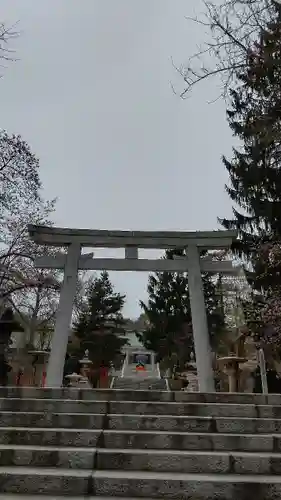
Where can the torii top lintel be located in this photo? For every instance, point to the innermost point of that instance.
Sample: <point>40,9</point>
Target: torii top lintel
<point>57,236</point>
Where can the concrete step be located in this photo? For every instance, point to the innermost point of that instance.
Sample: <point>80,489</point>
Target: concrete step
<point>46,481</point>
<point>50,437</point>
<point>178,423</point>
<point>183,423</point>
<point>195,409</point>
<point>11,496</point>
<point>129,484</point>
<point>84,394</point>
<point>187,486</point>
<point>141,408</point>
<point>140,375</point>
<point>140,395</point>
<point>137,383</point>
<point>54,406</point>
<point>191,441</point>
<point>51,420</point>
<point>48,456</point>
<point>190,462</point>
<point>167,440</point>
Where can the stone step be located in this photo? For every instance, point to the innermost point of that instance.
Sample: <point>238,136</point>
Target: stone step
<point>190,462</point>
<point>187,486</point>
<point>48,456</point>
<point>46,481</point>
<point>52,420</point>
<point>140,395</point>
<point>167,440</point>
<point>54,406</point>
<point>194,409</point>
<point>180,423</point>
<point>11,496</point>
<point>191,441</point>
<point>141,408</point>
<point>183,423</point>
<point>84,394</point>
<point>50,437</point>
<point>135,383</point>
<point>129,484</point>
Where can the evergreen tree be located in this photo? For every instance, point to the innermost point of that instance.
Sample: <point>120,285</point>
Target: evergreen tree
<point>100,323</point>
<point>255,119</point>
<point>168,313</point>
<point>255,174</point>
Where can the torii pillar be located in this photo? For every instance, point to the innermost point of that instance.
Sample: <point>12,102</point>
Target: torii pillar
<point>200,329</point>
<point>63,318</point>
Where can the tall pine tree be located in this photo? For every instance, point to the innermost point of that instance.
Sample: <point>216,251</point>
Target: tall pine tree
<point>100,324</point>
<point>255,170</point>
<point>255,119</point>
<point>168,313</point>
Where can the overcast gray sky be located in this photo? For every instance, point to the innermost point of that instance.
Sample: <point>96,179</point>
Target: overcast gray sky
<point>91,93</point>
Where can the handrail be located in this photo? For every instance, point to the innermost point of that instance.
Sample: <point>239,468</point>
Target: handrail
<point>262,364</point>
<point>124,366</point>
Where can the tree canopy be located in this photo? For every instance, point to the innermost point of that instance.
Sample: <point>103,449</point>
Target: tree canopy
<point>32,292</point>
<point>168,313</point>
<point>100,323</point>
<point>255,175</point>
<point>254,118</point>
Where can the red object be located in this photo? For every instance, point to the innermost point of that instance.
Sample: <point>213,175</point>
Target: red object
<point>140,368</point>
<point>103,377</point>
<point>103,371</point>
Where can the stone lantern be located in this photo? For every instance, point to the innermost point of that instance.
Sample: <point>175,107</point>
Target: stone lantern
<point>81,380</point>
<point>85,364</point>
<point>74,379</point>
<point>39,361</point>
<point>231,365</point>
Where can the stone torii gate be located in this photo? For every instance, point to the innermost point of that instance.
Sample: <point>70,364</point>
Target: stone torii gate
<point>131,241</point>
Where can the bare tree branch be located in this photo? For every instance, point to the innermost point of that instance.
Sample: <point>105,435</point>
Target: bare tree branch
<point>7,34</point>
<point>233,26</point>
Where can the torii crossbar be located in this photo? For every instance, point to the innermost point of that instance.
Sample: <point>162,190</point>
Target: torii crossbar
<point>132,241</point>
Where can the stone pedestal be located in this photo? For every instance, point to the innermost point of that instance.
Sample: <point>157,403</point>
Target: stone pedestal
<point>230,366</point>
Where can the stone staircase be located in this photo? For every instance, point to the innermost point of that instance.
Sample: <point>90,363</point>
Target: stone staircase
<point>134,444</point>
